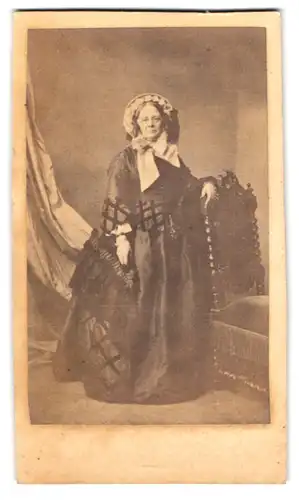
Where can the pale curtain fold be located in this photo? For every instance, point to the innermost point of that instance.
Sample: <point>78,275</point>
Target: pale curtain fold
<point>55,231</point>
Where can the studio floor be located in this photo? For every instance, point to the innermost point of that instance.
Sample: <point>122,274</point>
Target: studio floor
<point>51,402</point>
<point>66,403</point>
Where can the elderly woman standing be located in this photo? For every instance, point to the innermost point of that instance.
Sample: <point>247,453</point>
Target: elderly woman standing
<point>142,287</point>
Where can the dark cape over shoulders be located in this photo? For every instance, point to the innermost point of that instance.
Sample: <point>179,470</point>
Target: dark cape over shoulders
<point>123,194</point>
<point>124,167</point>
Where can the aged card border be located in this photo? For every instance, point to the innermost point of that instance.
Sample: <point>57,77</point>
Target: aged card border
<point>152,454</point>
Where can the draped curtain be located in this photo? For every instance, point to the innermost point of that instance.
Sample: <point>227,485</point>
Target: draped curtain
<point>55,231</point>
<point>55,235</point>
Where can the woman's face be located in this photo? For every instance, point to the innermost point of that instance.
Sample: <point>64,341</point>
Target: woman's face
<point>150,122</point>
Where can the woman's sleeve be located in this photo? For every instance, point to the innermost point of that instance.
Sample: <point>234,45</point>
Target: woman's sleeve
<point>118,209</point>
<point>195,182</point>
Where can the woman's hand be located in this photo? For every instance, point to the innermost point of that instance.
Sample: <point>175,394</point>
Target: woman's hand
<point>123,249</point>
<point>209,191</point>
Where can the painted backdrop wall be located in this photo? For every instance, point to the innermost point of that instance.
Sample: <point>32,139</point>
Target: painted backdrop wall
<point>216,77</point>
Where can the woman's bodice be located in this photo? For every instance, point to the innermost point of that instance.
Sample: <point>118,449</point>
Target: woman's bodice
<point>126,203</point>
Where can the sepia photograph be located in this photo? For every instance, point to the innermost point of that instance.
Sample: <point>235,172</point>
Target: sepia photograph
<point>145,182</point>
<point>147,225</point>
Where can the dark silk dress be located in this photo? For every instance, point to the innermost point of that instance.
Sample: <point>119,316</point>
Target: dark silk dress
<point>140,333</point>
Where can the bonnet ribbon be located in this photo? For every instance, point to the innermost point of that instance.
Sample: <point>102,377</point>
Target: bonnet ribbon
<point>146,165</point>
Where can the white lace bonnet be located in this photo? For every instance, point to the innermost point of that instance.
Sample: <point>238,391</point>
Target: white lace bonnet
<point>138,101</point>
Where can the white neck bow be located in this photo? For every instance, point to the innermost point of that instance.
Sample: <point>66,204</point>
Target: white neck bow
<point>146,165</point>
